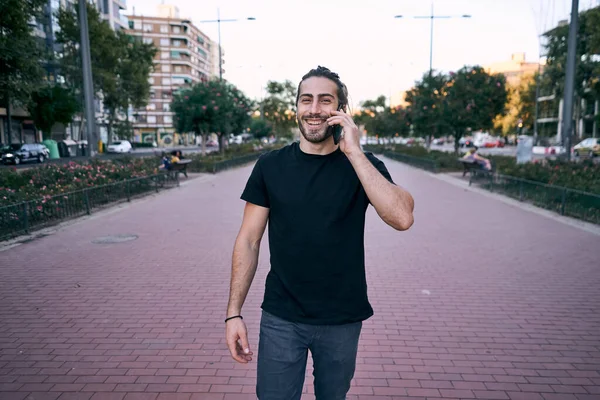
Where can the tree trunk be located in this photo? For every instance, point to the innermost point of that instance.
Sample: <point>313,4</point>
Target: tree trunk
<point>111,119</point>
<point>221,143</point>
<point>456,141</point>
<point>204,139</point>
<point>9,119</point>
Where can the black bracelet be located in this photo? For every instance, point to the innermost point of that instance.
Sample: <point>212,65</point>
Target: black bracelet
<point>235,316</point>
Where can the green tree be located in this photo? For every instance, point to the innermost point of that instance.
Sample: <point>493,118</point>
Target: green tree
<point>279,106</point>
<point>129,82</point>
<point>260,128</point>
<point>426,101</point>
<point>520,106</point>
<point>368,116</point>
<point>20,53</point>
<point>52,104</point>
<point>104,49</point>
<point>121,65</point>
<point>134,70</point>
<point>588,45</point>
<point>473,99</point>
<point>211,107</point>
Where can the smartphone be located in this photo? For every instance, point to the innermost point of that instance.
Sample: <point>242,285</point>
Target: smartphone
<point>336,130</point>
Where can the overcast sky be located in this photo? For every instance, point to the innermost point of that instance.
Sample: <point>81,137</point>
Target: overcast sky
<point>374,53</point>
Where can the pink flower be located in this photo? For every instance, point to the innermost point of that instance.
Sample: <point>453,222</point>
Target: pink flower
<point>204,107</point>
<point>39,208</point>
<point>216,108</point>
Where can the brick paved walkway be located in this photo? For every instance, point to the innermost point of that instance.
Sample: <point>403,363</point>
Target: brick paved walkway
<point>478,300</point>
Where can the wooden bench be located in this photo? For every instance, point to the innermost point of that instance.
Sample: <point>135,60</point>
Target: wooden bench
<point>179,167</point>
<point>470,166</point>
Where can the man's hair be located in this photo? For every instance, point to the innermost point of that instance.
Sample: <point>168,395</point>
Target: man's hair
<point>324,72</point>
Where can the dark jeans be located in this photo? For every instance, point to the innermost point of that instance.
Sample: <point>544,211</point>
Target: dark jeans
<point>283,351</point>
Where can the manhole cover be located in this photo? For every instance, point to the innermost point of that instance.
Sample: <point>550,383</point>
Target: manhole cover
<point>114,239</point>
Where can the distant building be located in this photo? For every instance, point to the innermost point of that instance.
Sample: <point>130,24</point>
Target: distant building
<point>184,57</point>
<point>514,69</point>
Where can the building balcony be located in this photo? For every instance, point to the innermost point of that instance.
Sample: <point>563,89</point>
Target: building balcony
<point>121,3</point>
<point>124,21</point>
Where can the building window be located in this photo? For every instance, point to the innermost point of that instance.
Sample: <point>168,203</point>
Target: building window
<point>166,68</point>
<point>151,107</point>
<point>137,25</point>
<point>151,119</point>
<point>166,81</point>
<point>164,42</point>
<point>131,24</point>
<point>164,55</point>
<point>166,107</point>
<point>176,29</point>
<point>148,40</point>
<point>151,81</point>
<point>116,11</point>
<point>152,95</point>
<point>202,52</point>
<point>200,40</point>
<point>147,27</point>
<point>178,69</point>
<point>164,29</point>
<point>166,95</point>
<point>175,54</point>
<point>167,119</point>
<point>176,43</point>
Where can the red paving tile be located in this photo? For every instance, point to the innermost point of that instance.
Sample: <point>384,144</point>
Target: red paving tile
<point>478,300</point>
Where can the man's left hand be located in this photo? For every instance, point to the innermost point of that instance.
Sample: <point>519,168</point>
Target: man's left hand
<point>350,140</point>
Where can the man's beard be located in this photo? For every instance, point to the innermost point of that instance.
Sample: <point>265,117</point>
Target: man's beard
<point>315,136</point>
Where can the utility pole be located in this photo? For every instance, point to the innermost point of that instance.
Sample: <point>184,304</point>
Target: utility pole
<point>88,86</point>
<point>431,17</point>
<point>567,121</point>
<point>218,21</point>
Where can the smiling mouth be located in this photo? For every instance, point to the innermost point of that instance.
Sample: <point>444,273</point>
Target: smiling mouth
<point>315,121</point>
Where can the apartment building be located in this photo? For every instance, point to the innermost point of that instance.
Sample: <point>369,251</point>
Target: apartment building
<point>183,58</point>
<point>45,27</point>
<point>515,69</point>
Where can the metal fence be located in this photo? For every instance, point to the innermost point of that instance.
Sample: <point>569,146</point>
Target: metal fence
<point>424,163</point>
<point>569,202</point>
<point>234,162</point>
<point>26,217</point>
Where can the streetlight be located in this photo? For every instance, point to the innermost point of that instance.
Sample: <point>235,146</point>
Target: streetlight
<point>218,21</point>
<point>432,16</point>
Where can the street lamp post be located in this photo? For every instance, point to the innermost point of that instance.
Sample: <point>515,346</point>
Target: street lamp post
<point>432,17</point>
<point>218,21</point>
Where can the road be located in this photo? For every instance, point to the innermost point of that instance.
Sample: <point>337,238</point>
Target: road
<point>143,152</point>
<point>479,299</point>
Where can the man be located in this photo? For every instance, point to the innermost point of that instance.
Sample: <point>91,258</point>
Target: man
<point>314,194</point>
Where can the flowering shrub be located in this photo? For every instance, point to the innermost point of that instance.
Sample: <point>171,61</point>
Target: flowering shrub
<point>584,176</point>
<point>51,180</point>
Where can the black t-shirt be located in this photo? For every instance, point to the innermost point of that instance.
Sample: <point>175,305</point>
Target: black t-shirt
<point>316,235</point>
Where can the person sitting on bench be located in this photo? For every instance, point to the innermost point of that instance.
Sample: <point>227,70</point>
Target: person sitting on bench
<point>165,162</point>
<point>482,161</point>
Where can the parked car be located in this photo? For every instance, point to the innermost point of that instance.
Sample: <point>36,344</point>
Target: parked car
<point>120,146</point>
<point>589,147</point>
<point>465,142</point>
<point>18,153</point>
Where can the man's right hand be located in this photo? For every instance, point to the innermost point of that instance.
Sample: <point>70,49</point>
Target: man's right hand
<point>237,340</point>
